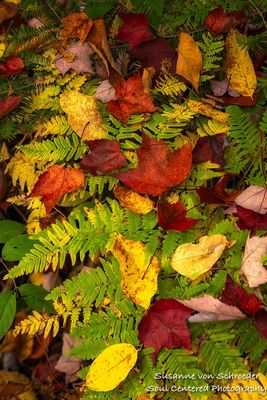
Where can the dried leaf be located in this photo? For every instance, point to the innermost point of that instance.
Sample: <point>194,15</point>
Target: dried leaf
<point>9,105</point>
<point>219,21</point>
<point>76,26</point>
<point>13,66</point>
<point>158,168</point>
<point>207,110</point>
<point>211,309</point>
<point>239,67</point>
<point>172,217</point>
<point>105,156</point>
<point>130,99</point>
<point>7,11</point>
<point>105,92</point>
<point>14,383</point>
<point>66,363</point>
<point>139,271</point>
<point>55,182</point>
<point>76,57</point>
<point>83,115</point>
<point>114,363</point>
<point>132,200</point>
<point>253,198</point>
<point>135,29</point>
<point>147,77</point>
<point>209,148</point>
<point>252,267</point>
<point>193,260</point>
<point>189,63</point>
<point>219,88</point>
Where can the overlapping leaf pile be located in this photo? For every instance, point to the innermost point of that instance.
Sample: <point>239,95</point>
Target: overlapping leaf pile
<point>133,197</point>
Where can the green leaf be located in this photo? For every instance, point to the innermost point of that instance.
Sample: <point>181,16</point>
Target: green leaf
<point>9,229</point>
<point>17,247</point>
<point>98,8</point>
<point>34,296</point>
<point>7,311</point>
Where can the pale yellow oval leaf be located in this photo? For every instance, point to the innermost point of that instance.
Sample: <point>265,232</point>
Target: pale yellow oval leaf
<point>193,260</point>
<point>83,115</point>
<point>111,367</point>
<point>189,62</point>
<point>207,110</point>
<point>139,272</point>
<point>239,67</point>
<point>132,200</point>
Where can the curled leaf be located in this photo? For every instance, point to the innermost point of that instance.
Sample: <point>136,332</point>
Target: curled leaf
<point>114,363</point>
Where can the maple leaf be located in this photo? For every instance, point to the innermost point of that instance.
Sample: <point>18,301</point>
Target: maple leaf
<point>76,57</point>
<point>219,21</point>
<point>235,295</point>
<point>76,26</point>
<point>131,99</point>
<point>55,182</point>
<point>164,325</point>
<point>13,66</point>
<point>158,168</point>
<point>9,105</point>
<point>157,53</point>
<point>252,267</point>
<point>172,217</point>
<point>135,29</point>
<point>105,156</point>
<point>189,62</point>
<point>248,219</point>
<point>253,198</point>
<point>209,148</point>
<point>218,195</point>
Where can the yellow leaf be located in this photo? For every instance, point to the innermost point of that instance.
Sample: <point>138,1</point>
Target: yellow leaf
<point>111,367</point>
<point>239,67</point>
<point>193,260</point>
<point>207,110</point>
<point>139,273</point>
<point>132,200</point>
<point>189,62</point>
<point>83,115</point>
<point>2,49</point>
<point>237,389</point>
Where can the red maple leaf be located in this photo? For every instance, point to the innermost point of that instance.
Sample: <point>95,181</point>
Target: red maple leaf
<point>218,21</point>
<point>135,29</point>
<point>218,194</point>
<point>158,168</point>
<point>172,217</point>
<point>13,66</point>
<point>131,99</point>
<point>234,295</point>
<point>9,105</point>
<point>55,182</point>
<point>209,148</point>
<point>164,325</point>
<point>248,219</point>
<point>105,156</point>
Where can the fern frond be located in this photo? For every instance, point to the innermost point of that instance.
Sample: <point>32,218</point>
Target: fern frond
<point>57,125</point>
<point>169,85</point>
<point>212,49</point>
<point>37,324</point>
<point>211,127</point>
<point>203,172</point>
<point>8,129</point>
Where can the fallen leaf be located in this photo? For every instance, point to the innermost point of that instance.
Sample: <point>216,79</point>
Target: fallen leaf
<point>209,148</point>
<point>139,272</point>
<point>261,322</point>
<point>164,325</point>
<point>9,105</point>
<point>211,309</point>
<point>239,67</point>
<point>105,156</point>
<point>189,62</point>
<point>76,26</point>
<point>76,57</point>
<point>252,267</point>
<point>147,77</point>
<point>158,168</point>
<point>2,49</point>
<point>134,30</point>
<point>248,219</point>
<point>219,88</point>
<point>114,363</point>
<point>12,383</point>
<point>253,198</point>
<point>172,217</point>
<point>219,21</point>
<point>13,66</point>
<point>67,363</point>
<point>193,260</point>
<point>130,99</point>
<point>132,200</point>
<point>7,11</point>
<point>218,194</point>
<point>236,296</point>
<point>157,53</point>
<point>40,345</point>
<point>83,115</point>
<point>105,92</point>
<point>205,109</point>
<point>238,101</point>
<point>55,182</point>
<point>21,345</point>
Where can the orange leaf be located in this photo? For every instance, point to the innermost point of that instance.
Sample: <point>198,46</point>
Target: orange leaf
<point>7,11</point>
<point>76,26</point>
<point>55,182</point>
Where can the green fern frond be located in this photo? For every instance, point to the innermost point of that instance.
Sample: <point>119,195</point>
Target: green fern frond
<point>97,184</point>
<point>212,49</point>
<point>169,85</point>
<point>57,125</point>
<point>8,129</point>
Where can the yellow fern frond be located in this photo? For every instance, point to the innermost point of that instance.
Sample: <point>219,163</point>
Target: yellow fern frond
<point>212,127</point>
<point>249,389</point>
<point>179,113</point>
<point>114,28</point>
<point>22,170</point>
<point>38,212</point>
<point>38,324</point>
<point>169,85</point>
<point>4,153</point>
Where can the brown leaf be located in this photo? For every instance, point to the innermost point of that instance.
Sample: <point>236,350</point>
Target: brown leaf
<point>252,267</point>
<point>7,11</point>
<point>253,198</point>
<point>76,57</point>
<point>76,26</point>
